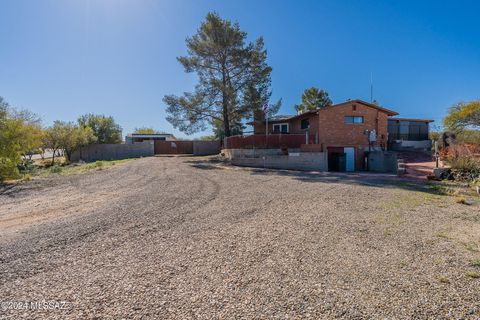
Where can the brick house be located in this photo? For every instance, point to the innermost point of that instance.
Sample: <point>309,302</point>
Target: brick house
<point>345,131</point>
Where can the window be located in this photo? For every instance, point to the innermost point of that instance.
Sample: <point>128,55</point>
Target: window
<point>280,128</point>
<point>353,119</point>
<point>354,107</point>
<point>305,124</point>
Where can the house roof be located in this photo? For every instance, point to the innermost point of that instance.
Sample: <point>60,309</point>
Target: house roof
<point>291,117</point>
<point>152,135</point>
<point>371,105</point>
<point>411,120</point>
<point>279,117</point>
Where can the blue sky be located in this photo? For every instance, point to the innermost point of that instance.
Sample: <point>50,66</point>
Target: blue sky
<point>62,59</point>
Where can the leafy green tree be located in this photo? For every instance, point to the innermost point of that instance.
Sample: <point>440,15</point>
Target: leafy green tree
<point>76,137</point>
<point>103,127</point>
<point>20,133</point>
<point>52,138</point>
<point>207,138</point>
<point>234,79</point>
<point>145,130</point>
<point>313,99</point>
<point>463,116</point>
<point>68,137</point>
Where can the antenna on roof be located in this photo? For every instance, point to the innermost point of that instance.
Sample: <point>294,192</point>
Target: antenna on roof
<point>371,87</point>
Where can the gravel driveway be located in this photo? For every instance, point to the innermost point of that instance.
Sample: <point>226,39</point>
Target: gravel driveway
<point>181,238</point>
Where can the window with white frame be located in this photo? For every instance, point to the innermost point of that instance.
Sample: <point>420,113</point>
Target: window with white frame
<point>354,119</point>
<point>280,128</point>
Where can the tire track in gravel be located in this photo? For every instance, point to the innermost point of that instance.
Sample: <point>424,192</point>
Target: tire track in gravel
<point>65,233</point>
<point>61,196</point>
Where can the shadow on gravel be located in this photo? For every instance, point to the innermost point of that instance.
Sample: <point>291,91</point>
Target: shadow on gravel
<point>204,166</point>
<point>359,178</point>
<point>6,188</point>
<point>20,187</point>
<point>364,179</point>
<point>186,155</point>
<point>206,162</point>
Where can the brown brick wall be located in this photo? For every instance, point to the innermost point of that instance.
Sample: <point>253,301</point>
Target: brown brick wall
<point>333,131</point>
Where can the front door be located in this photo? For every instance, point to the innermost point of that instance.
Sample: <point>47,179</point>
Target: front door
<point>350,158</point>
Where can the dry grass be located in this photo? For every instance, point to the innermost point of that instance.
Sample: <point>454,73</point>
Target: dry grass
<point>461,200</point>
<point>476,263</point>
<point>77,168</point>
<point>443,279</point>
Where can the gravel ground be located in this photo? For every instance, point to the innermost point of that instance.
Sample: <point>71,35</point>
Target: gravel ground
<point>179,238</point>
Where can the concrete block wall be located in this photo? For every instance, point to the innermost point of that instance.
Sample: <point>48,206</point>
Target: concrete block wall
<point>203,148</point>
<point>409,144</point>
<point>96,152</point>
<point>254,153</point>
<point>274,159</point>
<point>385,162</point>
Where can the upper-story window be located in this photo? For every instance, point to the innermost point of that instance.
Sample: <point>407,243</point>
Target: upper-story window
<point>280,128</point>
<point>353,119</point>
<point>305,124</point>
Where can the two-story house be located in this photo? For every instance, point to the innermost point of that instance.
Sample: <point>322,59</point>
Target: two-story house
<point>345,131</point>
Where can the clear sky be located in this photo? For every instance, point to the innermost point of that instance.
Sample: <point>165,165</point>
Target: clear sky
<point>65,58</point>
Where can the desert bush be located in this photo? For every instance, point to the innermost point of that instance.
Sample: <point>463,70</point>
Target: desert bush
<point>469,150</point>
<point>464,160</point>
<point>99,164</point>
<point>465,168</point>
<point>20,134</point>
<point>27,166</point>
<point>56,169</point>
<point>469,136</point>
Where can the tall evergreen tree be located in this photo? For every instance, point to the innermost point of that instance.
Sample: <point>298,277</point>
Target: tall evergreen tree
<point>234,79</point>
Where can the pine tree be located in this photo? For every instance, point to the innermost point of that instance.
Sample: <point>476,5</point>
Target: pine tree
<point>234,79</point>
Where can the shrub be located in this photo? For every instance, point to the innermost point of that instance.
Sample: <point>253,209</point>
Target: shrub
<point>461,200</point>
<point>20,133</point>
<point>8,168</point>
<point>464,160</point>
<point>476,263</point>
<point>55,169</point>
<point>465,168</point>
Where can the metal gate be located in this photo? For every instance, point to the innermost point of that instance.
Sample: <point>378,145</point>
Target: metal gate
<point>173,147</point>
